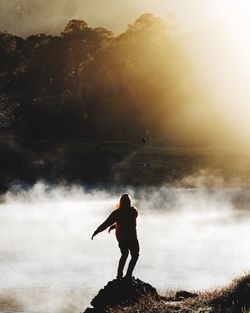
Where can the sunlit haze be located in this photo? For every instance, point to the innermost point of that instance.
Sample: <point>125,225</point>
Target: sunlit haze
<point>213,39</point>
<point>222,65</point>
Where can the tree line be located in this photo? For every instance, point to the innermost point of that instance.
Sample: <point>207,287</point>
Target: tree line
<point>90,83</point>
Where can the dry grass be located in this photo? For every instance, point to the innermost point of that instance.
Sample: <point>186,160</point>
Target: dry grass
<point>148,304</point>
<point>234,298</point>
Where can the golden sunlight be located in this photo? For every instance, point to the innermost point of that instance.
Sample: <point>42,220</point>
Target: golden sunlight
<point>219,55</point>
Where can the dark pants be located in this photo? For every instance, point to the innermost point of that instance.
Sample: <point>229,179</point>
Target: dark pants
<point>126,246</point>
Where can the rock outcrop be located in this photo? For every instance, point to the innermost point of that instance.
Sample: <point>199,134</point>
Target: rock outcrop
<point>122,292</point>
<point>136,296</point>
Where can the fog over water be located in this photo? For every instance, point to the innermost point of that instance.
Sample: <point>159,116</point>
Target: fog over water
<point>190,239</point>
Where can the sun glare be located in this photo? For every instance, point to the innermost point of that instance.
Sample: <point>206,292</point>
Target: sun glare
<point>223,64</point>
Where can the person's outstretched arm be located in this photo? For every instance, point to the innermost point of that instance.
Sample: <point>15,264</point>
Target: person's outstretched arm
<point>109,221</point>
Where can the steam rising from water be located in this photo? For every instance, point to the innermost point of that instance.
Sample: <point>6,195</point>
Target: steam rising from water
<point>193,239</point>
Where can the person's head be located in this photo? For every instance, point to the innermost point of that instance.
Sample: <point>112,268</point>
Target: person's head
<point>125,201</point>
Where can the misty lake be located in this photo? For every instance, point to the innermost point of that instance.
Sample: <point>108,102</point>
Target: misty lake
<point>193,239</point>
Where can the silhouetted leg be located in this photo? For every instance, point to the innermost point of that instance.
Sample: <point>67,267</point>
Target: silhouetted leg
<point>123,259</point>
<point>134,250</point>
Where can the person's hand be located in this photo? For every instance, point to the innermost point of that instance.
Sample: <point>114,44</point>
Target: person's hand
<point>111,227</point>
<point>94,234</point>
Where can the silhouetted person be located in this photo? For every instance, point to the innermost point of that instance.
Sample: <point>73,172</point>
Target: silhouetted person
<point>123,220</point>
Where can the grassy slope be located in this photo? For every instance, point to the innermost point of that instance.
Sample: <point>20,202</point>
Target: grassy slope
<point>148,164</point>
<point>116,162</point>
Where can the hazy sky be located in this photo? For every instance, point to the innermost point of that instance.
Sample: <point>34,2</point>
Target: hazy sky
<point>24,17</point>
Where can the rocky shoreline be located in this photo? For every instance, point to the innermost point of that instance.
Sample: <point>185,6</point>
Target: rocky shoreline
<point>136,296</point>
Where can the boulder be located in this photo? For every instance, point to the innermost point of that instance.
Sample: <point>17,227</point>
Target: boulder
<point>183,294</point>
<point>122,292</point>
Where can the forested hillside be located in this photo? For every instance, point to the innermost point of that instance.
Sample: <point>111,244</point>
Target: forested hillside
<point>89,83</point>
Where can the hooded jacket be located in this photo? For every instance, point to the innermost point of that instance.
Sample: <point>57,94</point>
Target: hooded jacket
<point>125,223</point>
